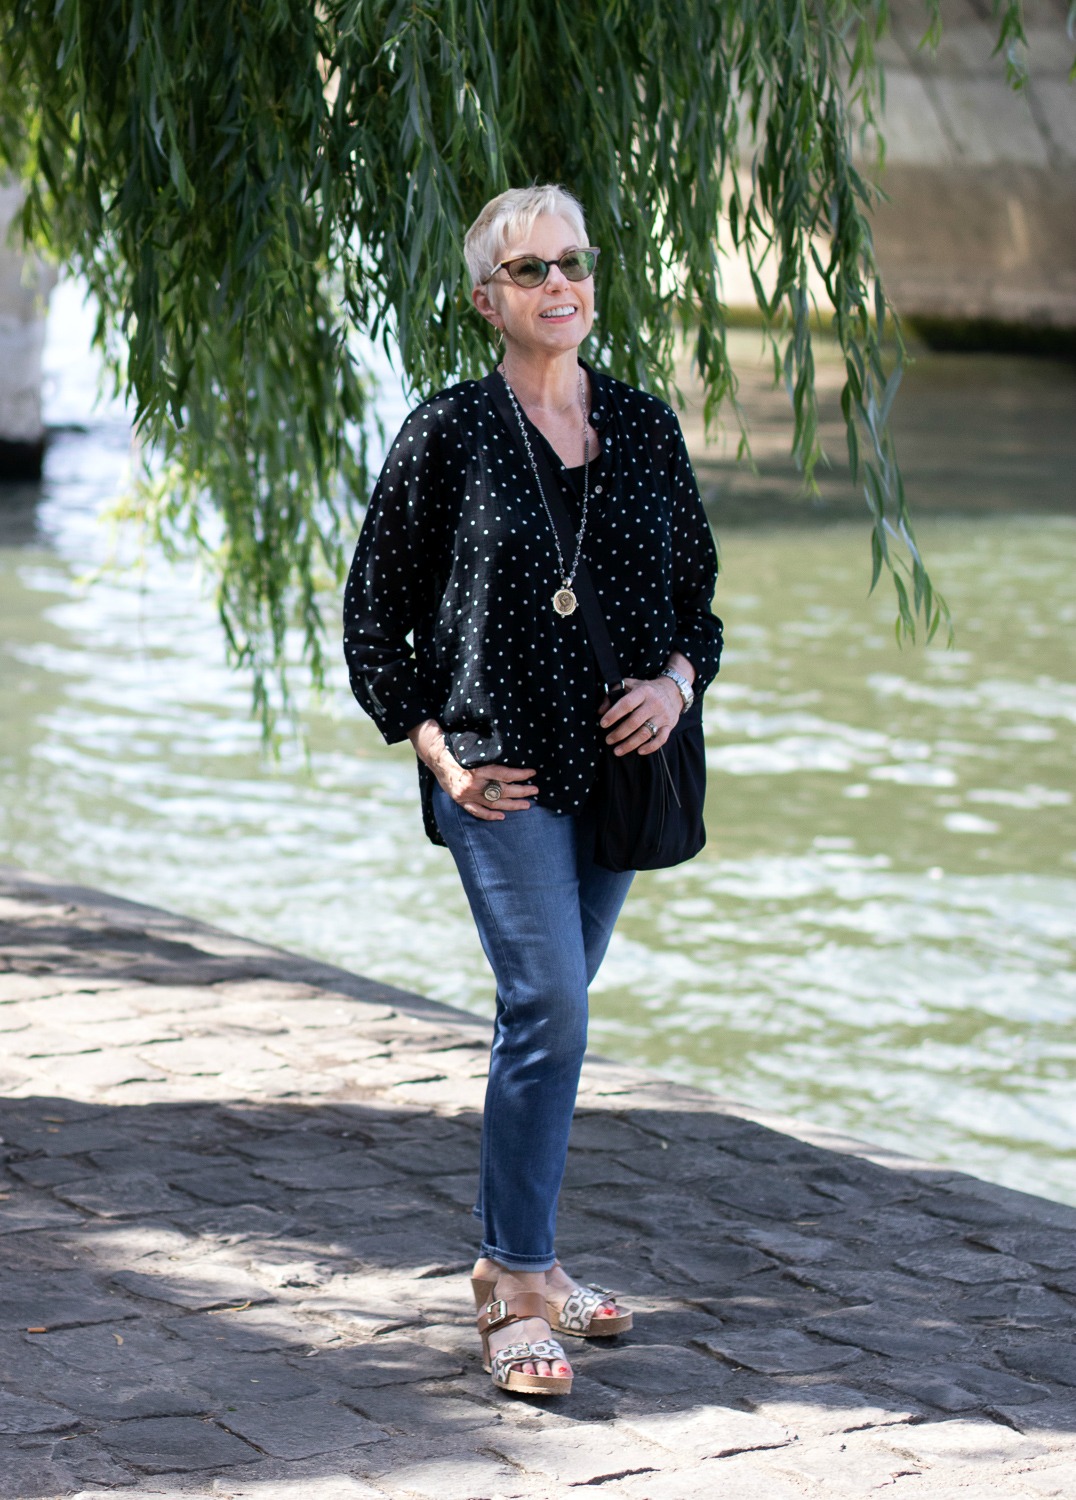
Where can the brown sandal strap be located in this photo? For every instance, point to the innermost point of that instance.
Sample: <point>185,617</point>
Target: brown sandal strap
<point>505,1310</point>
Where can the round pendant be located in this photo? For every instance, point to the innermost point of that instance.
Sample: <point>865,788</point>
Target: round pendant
<point>564,602</point>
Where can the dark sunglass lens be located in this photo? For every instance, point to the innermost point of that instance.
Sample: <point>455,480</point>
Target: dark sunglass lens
<point>577,264</point>
<point>528,272</point>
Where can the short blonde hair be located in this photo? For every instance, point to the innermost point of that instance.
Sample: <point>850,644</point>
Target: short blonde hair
<point>509,216</point>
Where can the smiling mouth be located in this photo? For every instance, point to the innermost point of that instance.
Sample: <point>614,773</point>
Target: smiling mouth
<point>558,313</point>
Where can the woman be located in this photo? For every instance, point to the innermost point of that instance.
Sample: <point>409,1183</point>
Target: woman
<point>500,697</point>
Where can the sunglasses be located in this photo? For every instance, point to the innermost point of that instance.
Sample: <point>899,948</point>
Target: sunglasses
<point>531,270</point>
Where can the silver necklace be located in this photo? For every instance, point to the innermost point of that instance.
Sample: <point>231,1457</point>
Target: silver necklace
<point>564,600</point>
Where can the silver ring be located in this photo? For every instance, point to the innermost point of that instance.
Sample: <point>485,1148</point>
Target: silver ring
<point>653,728</point>
<point>493,791</point>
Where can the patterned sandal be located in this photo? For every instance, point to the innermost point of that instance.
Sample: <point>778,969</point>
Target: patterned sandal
<point>577,1318</point>
<point>501,1365</point>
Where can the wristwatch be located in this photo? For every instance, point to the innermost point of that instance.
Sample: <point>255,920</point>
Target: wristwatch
<point>687,692</point>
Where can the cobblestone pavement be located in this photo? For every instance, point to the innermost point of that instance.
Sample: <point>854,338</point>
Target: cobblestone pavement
<point>234,1233</point>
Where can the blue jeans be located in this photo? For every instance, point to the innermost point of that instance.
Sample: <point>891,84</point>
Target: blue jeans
<point>545,913</point>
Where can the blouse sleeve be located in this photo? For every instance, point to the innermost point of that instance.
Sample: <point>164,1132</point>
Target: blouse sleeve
<point>392,583</point>
<point>698,630</point>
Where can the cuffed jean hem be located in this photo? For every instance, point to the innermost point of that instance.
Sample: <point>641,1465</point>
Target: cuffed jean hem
<point>517,1262</point>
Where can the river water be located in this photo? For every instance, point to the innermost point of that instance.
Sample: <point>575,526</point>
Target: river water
<point>879,934</point>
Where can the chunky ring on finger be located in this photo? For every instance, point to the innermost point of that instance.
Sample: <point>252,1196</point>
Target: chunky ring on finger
<point>493,791</point>
<point>653,728</point>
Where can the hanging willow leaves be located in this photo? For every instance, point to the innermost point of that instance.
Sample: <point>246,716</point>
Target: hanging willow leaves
<point>244,185</point>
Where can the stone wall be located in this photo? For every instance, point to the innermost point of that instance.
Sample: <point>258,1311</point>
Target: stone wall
<point>980,222</point>
<point>24,288</point>
<point>981,218</point>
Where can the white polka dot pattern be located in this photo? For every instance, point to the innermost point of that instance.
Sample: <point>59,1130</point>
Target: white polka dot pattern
<point>447,609</point>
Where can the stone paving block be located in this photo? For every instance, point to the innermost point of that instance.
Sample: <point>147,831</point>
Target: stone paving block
<point>763,1300</point>
<point>990,1384</point>
<point>850,1467</point>
<point>331,1173</point>
<point>715,1479</point>
<point>961,1263</point>
<point>131,1031</point>
<point>584,1455</point>
<point>826,1410</point>
<point>47,1171</point>
<point>313,1012</point>
<point>292,1145</point>
<point>94,1071</point>
<point>785,1244</point>
<point>1044,1359</point>
<point>772,1197</point>
<point>246,1378</point>
<point>962,1442</point>
<point>458,1476</point>
<point>601,1130</point>
<point>277,1479</point>
<point>301,1428</point>
<point>1061,1281</point>
<point>198,1287</point>
<point>33,1474</point>
<point>112,1347</point>
<point>916,1336</point>
<point>1017,1306</point>
<point>175,1445</point>
<point>60,1136</point>
<point>1049,1483</point>
<point>47,1041</point>
<point>253,1331</point>
<point>65,1299</point>
<point>708,1432</point>
<point>123,1195</point>
<point>438,1416</point>
<point>717,1265</point>
<point>216,1054</point>
<point>129,1242</point>
<point>142,1392</point>
<point>968,1208</point>
<point>776,1351</point>
<point>451,1156</point>
<point>652,1368</point>
<point>90,1464</point>
<point>239,1221</point>
<point>386,1361</point>
<point>227,1185</point>
<point>1053,1248</point>
<point>25,1212</point>
<point>933,1387</point>
<point>594,1170</point>
<point>679,1215</point>
<point>18,1415</point>
<point>155,1159</point>
<point>860,1284</point>
<point>1049,1421</point>
<point>382,1207</point>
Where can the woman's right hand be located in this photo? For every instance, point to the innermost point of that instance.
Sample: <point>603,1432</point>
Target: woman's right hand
<point>466,787</point>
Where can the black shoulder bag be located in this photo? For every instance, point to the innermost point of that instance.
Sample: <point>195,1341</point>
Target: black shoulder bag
<point>649,808</point>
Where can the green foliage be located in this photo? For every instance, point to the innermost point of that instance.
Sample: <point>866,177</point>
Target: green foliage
<point>245,184</point>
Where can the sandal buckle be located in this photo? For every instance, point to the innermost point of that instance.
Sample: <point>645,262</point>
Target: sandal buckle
<point>496,1313</point>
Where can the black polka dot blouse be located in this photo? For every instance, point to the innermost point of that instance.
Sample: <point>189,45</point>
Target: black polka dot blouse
<point>448,608</point>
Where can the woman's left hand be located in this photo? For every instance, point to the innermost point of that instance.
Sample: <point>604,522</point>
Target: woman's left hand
<point>653,702</point>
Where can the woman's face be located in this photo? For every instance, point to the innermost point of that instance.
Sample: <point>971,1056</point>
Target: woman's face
<point>548,319</point>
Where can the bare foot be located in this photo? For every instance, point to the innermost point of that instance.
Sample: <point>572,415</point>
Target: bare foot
<point>527,1330</point>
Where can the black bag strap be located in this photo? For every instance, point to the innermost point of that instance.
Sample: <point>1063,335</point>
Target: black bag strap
<point>583,585</point>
